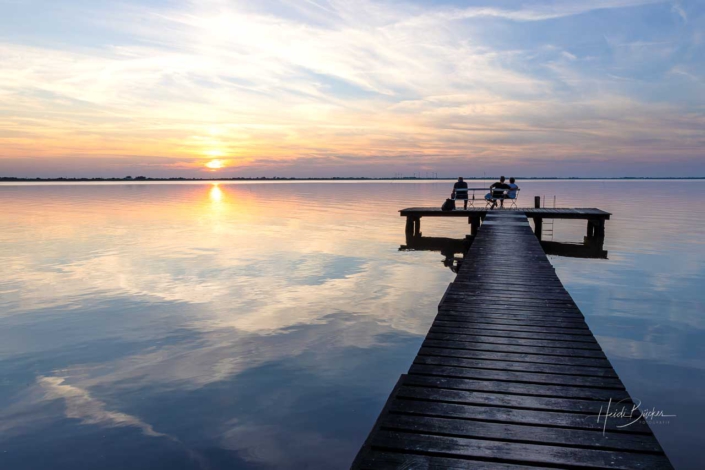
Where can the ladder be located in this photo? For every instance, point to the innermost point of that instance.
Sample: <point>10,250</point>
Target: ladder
<point>548,223</point>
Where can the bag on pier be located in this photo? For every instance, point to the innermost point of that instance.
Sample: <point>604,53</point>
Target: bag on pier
<point>449,205</point>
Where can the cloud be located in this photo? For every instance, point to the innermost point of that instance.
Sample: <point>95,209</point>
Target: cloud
<point>82,406</point>
<point>271,84</point>
<point>678,9</point>
<point>540,12</point>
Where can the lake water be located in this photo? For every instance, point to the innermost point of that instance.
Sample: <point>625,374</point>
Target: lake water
<point>263,325</point>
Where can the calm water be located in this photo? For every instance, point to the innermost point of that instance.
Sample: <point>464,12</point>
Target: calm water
<point>263,325</point>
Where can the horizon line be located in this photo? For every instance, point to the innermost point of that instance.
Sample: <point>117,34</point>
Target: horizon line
<point>336,178</point>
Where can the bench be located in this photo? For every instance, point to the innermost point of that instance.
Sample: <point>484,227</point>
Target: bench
<point>503,195</point>
<point>466,193</point>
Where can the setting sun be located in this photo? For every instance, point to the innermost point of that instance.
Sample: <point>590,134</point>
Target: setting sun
<point>215,164</point>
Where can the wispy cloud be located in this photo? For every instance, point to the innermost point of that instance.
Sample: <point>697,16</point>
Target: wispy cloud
<point>285,81</point>
<point>82,406</point>
<point>678,9</point>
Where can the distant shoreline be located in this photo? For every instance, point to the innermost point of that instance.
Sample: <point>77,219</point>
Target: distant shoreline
<point>4,179</point>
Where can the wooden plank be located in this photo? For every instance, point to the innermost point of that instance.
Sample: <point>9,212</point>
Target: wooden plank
<point>508,326</point>
<point>496,414</point>
<point>512,341</point>
<point>504,333</point>
<point>512,318</point>
<point>559,369</point>
<point>510,452</point>
<point>526,312</point>
<point>388,460</point>
<point>513,301</point>
<point>516,388</point>
<point>584,407</point>
<point>514,357</point>
<point>510,376</point>
<point>509,291</point>
<point>522,433</point>
<point>509,296</point>
<point>511,348</point>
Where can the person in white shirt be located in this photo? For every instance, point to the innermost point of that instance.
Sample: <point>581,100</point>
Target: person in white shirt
<point>512,193</point>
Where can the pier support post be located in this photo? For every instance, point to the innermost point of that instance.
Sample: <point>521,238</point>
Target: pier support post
<point>409,226</point>
<point>413,226</point>
<point>474,222</point>
<point>538,227</point>
<point>600,229</point>
<point>537,202</point>
<point>595,229</point>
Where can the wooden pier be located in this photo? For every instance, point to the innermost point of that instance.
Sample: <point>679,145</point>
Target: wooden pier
<point>595,218</point>
<point>509,375</point>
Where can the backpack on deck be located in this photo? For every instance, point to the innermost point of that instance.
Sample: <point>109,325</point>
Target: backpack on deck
<point>449,205</point>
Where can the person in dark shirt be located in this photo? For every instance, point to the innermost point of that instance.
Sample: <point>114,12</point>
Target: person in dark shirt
<point>497,192</point>
<point>463,193</point>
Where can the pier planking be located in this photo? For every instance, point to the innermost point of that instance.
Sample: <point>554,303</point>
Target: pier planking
<point>510,375</point>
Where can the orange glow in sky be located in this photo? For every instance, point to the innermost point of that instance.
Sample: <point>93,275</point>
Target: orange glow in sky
<point>368,89</point>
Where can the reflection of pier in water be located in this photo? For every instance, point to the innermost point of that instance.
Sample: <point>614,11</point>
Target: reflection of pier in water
<point>509,374</point>
<point>452,247</point>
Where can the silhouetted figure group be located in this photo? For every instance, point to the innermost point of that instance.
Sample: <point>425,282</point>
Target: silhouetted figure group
<point>500,191</point>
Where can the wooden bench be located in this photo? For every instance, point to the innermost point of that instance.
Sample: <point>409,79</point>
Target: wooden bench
<point>503,197</point>
<point>466,192</point>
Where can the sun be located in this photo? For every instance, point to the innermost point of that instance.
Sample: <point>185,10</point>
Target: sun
<point>215,164</point>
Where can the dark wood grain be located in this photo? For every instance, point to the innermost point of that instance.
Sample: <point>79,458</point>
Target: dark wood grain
<point>509,375</point>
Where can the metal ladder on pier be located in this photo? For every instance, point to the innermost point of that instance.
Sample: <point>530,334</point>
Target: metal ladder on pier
<point>548,223</point>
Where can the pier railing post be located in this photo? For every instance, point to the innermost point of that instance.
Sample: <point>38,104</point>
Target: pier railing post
<point>538,221</point>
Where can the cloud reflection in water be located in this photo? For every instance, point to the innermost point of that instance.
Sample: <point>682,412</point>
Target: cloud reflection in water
<point>263,325</point>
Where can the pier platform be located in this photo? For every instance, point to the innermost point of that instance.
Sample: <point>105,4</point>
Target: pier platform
<point>509,376</point>
<point>595,217</point>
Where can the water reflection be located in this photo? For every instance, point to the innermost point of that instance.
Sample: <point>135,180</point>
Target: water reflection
<point>263,325</point>
<point>451,247</point>
<point>216,194</point>
<point>196,326</point>
<point>589,249</point>
<point>448,247</point>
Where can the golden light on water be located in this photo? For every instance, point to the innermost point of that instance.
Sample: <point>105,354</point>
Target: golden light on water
<point>215,164</point>
<point>216,194</point>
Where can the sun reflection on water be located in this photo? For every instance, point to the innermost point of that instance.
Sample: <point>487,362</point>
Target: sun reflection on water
<point>174,296</point>
<point>216,194</point>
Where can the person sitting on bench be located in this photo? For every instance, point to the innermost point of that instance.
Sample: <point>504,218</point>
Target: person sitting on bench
<point>460,191</point>
<point>512,193</point>
<point>497,192</point>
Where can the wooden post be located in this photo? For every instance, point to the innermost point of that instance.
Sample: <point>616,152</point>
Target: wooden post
<point>537,202</point>
<point>590,229</point>
<point>538,227</point>
<point>599,228</point>
<point>474,224</point>
<point>417,227</point>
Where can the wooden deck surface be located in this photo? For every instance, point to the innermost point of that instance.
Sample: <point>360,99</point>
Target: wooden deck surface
<point>509,375</point>
<point>546,213</point>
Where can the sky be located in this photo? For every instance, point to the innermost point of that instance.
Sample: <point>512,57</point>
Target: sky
<point>221,88</point>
